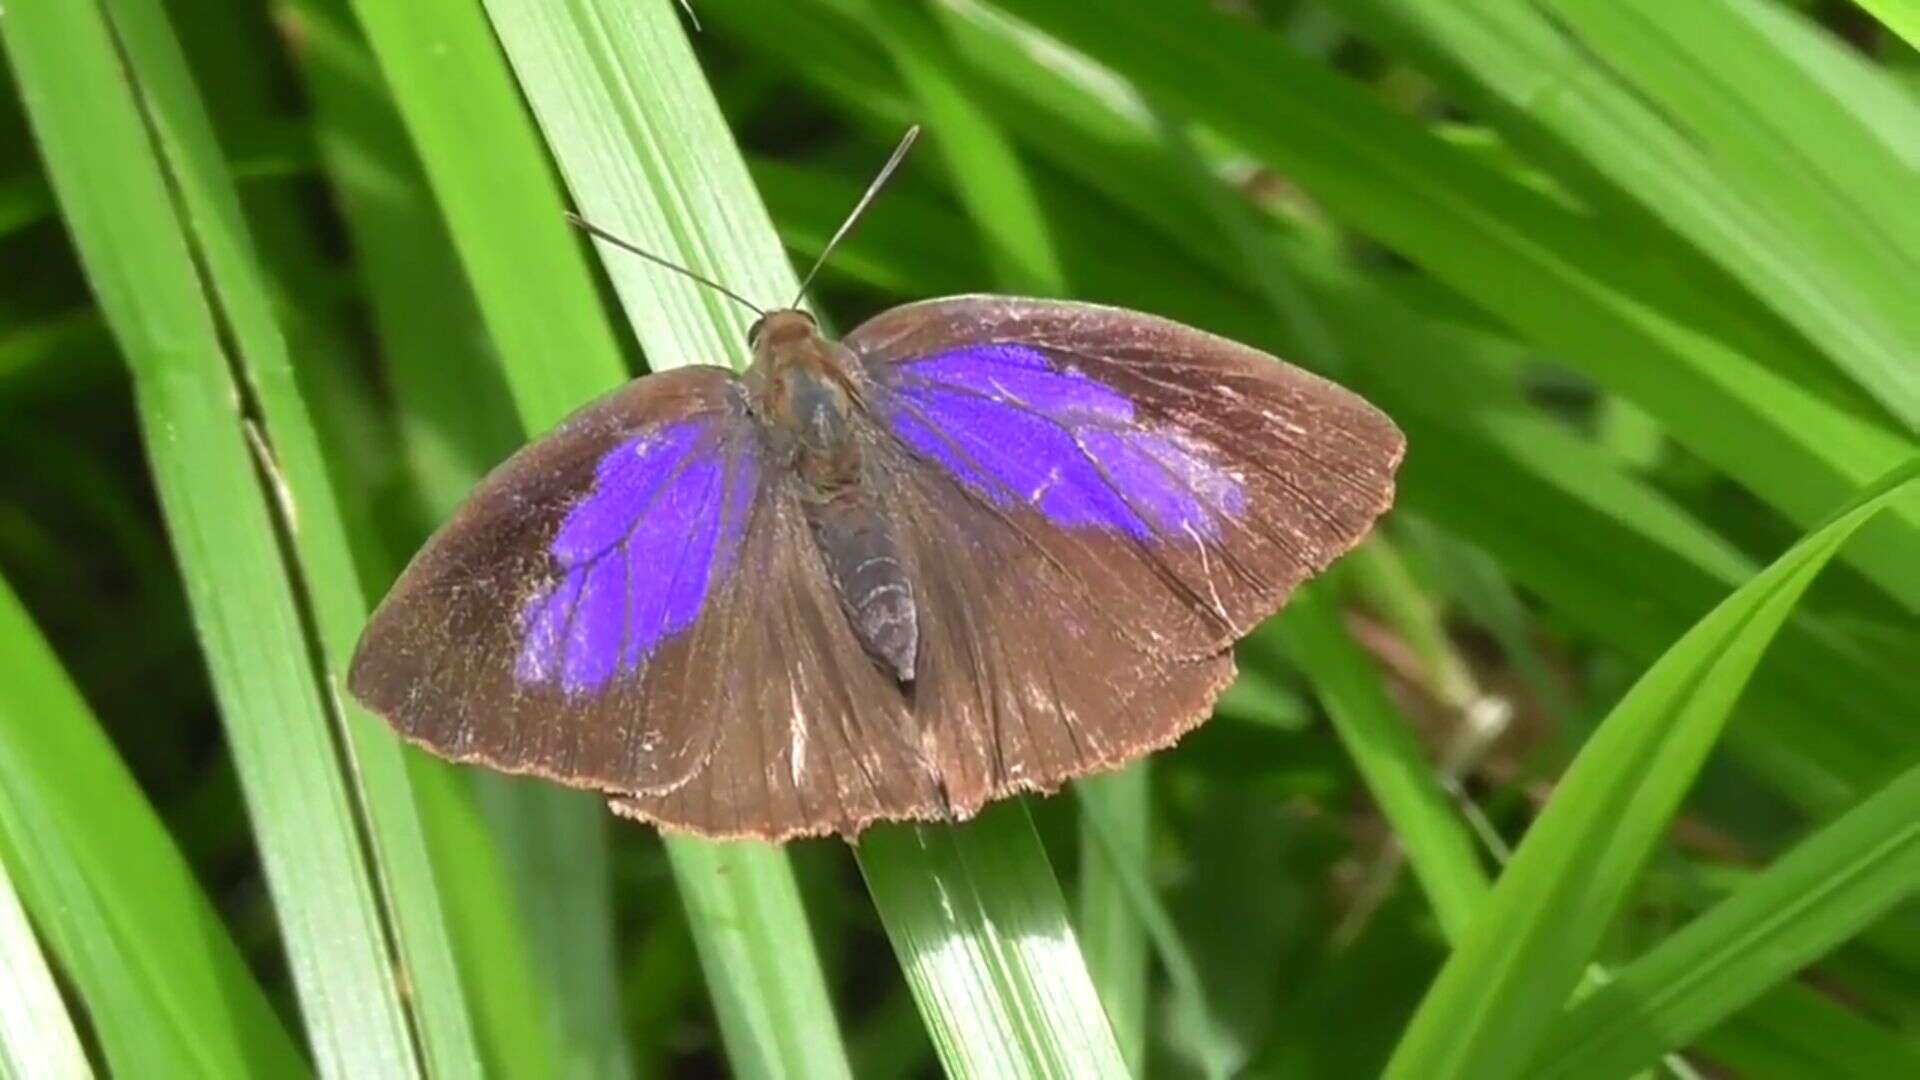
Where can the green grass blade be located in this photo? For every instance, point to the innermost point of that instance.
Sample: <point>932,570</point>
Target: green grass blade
<point>334,594</point>
<point>1530,942</point>
<point>1900,16</point>
<point>1817,895</point>
<point>536,296</point>
<point>1793,148</point>
<point>1107,919</point>
<point>163,985</point>
<point>743,903</point>
<point>1439,848</point>
<point>520,1032</point>
<point>455,421</point>
<point>135,245</point>
<point>646,155</point>
<point>993,185</point>
<point>455,417</point>
<point>988,175</point>
<point>36,1034</point>
<point>1796,1031</point>
<point>650,160</point>
<point>808,205</point>
<point>554,846</point>
<point>977,919</point>
<point>1103,833</point>
<point>502,202</point>
<point>1667,153</point>
<point>1875,97</point>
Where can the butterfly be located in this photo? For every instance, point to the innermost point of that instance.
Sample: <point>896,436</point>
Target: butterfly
<point>981,545</point>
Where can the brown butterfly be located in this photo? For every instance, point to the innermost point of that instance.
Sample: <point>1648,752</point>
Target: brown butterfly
<point>982,545</point>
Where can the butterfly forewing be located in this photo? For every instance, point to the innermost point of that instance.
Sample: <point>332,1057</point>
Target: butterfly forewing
<point>564,623</point>
<point>1186,484</point>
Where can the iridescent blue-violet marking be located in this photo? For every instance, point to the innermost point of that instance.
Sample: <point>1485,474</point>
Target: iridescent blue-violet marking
<point>637,557</point>
<point>1017,428</point>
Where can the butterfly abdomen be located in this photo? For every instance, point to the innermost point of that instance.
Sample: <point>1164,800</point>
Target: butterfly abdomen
<point>863,558</point>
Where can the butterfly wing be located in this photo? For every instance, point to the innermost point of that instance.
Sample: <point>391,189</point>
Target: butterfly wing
<point>564,622</point>
<point>1095,504</point>
<point>1190,483</point>
<point>1025,679</point>
<point>634,605</point>
<point>1092,503</point>
<point>815,736</point>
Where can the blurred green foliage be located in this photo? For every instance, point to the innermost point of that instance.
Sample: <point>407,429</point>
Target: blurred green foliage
<point>1638,280</point>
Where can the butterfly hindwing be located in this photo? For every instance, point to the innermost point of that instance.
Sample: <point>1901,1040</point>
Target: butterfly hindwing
<point>566,621</point>
<point>1189,483</point>
<point>1023,681</point>
<point>814,737</point>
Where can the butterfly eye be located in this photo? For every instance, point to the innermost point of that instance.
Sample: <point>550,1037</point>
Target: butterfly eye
<point>753,332</point>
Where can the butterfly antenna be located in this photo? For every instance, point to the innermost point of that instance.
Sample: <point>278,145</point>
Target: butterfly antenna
<point>591,229</point>
<point>860,208</point>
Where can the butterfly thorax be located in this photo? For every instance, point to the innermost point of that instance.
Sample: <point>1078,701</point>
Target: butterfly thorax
<point>808,395</point>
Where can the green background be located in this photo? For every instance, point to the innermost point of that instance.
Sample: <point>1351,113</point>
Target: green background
<point>1576,769</point>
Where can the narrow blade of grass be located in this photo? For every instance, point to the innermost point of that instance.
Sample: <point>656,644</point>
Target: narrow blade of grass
<point>455,421</point>
<point>1794,148</point>
<point>1669,159</point>
<point>36,1034</point>
<point>1822,892</point>
<point>163,985</point>
<point>989,178</point>
<point>642,146</point>
<point>992,184</point>
<point>977,919</point>
<point>1398,775</point>
<point>455,417</point>
<point>1104,836</point>
<point>1110,933</point>
<point>647,156</point>
<point>333,592</point>
<point>757,952</point>
<point>1530,942</point>
<point>135,244</point>
<point>502,202</point>
<point>503,206</point>
<point>1796,1031</point>
<point>1900,16</point>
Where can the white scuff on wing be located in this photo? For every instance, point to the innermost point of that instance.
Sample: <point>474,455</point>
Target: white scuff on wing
<point>1206,571</point>
<point>796,736</point>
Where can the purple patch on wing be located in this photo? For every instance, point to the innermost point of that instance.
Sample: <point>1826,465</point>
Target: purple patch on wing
<point>637,557</point>
<point>1019,429</point>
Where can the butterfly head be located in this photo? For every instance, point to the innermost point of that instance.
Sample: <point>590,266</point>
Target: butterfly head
<point>804,387</point>
<point>785,328</point>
